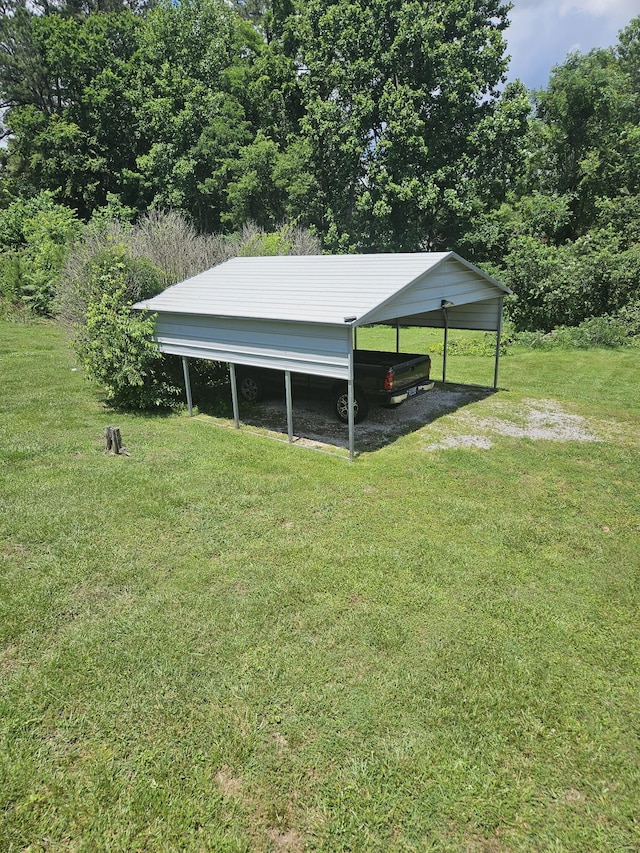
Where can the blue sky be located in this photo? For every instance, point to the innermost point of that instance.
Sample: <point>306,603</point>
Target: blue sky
<point>543,32</point>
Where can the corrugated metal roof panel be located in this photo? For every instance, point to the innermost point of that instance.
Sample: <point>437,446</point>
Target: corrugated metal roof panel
<point>307,288</point>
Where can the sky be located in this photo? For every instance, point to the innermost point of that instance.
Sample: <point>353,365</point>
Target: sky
<point>543,32</point>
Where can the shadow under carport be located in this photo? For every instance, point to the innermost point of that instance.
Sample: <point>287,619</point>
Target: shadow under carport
<point>315,422</point>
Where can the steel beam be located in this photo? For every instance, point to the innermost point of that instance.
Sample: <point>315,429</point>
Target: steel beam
<point>287,390</point>
<point>498,340</point>
<point>234,395</point>
<point>187,384</point>
<point>446,343</point>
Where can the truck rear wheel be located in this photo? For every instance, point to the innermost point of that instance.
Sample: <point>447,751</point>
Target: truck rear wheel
<point>250,388</point>
<point>341,406</point>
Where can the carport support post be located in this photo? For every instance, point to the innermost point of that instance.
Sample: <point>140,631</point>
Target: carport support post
<point>287,390</point>
<point>352,427</point>
<point>446,341</point>
<point>498,341</point>
<point>234,395</point>
<point>187,384</point>
<point>351,397</point>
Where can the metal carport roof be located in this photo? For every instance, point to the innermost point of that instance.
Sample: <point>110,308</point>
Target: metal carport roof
<point>298,313</point>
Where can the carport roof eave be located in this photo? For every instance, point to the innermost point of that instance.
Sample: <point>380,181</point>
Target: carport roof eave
<point>274,318</point>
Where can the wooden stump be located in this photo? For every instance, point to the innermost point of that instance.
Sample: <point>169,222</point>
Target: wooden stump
<point>112,439</point>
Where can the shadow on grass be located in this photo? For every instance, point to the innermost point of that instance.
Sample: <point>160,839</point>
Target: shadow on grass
<point>315,424</point>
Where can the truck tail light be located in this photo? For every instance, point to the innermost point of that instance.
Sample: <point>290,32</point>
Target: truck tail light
<point>388,380</point>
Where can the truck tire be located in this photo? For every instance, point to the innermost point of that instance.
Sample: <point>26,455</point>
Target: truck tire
<point>341,405</point>
<point>250,388</point>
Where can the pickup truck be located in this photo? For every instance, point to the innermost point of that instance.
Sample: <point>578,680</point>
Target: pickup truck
<point>380,379</point>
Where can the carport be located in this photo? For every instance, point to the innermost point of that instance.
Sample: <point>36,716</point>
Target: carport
<point>300,314</point>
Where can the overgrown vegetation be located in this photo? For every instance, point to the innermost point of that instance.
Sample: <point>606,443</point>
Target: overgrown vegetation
<point>608,332</point>
<point>116,264</point>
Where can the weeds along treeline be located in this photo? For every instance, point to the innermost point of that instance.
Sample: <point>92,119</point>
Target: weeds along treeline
<point>366,126</point>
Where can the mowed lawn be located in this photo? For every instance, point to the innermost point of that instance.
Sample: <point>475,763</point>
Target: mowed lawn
<point>222,642</point>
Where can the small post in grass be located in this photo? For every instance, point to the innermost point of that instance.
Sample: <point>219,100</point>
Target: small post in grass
<point>113,440</point>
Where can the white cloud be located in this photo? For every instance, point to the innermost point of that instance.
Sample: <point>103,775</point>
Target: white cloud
<point>625,8</point>
<point>543,32</point>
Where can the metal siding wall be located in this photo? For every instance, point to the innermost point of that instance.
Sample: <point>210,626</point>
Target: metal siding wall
<point>451,281</point>
<point>317,349</point>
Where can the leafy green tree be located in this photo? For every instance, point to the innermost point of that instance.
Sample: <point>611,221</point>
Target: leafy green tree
<point>70,123</point>
<point>585,137</point>
<point>402,116</point>
<point>194,61</point>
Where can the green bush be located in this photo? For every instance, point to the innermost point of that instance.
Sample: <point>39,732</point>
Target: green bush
<point>629,317</point>
<point>36,236</point>
<point>607,332</point>
<point>114,343</point>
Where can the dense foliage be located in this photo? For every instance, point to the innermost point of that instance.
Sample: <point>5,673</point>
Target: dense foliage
<point>567,236</point>
<point>356,119</point>
<point>368,125</point>
<point>115,264</point>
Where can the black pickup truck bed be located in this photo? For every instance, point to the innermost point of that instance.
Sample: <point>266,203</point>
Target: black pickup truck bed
<point>380,379</point>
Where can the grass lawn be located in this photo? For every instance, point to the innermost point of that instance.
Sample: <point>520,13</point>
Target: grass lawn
<point>226,643</point>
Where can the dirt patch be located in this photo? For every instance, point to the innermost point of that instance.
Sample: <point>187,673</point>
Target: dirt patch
<point>8,659</point>
<point>230,785</point>
<point>280,740</point>
<point>288,842</point>
<point>538,420</point>
<point>541,420</point>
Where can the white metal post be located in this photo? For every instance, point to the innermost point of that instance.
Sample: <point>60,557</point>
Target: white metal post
<point>350,403</point>
<point>187,385</point>
<point>287,389</point>
<point>498,340</point>
<point>234,395</point>
<point>446,342</point>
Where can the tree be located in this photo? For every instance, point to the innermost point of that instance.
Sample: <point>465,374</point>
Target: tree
<point>400,103</point>
<point>71,127</point>
<point>194,61</point>
<point>586,133</point>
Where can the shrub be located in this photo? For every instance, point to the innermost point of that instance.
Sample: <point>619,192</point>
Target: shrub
<point>606,332</point>
<point>114,343</point>
<point>36,235</point>
<point>117,264</point>
<point>629,316</point>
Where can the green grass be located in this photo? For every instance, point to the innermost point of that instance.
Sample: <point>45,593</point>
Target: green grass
<point>226,643</point>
